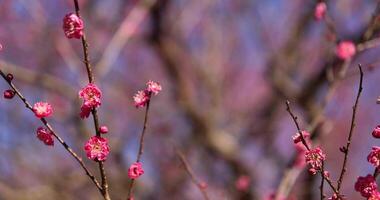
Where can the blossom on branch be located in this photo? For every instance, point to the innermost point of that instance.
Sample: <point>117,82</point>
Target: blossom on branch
<point>73,26</point>
<point>45,136</point>
<point>320,11</point>
<point>141,98</point>
<point>315,158</point>
<point>91,95</point>
<point>376,132</point>
<point>135,170</point>
<point>9,94</point>
<point>97,148</point>
<point>366,185</point>
<point>153,87</point>
<point>42,109</point>
<point>374,156</point>
<point>345,50</point>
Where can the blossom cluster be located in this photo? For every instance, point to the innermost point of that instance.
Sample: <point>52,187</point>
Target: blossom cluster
<point>142,97</point>
<point>90,95</point>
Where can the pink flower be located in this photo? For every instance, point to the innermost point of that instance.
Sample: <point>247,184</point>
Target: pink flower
<point>366,185</point>
<point>153,87</point>
<point>103,129</point>
<point>97,148</point>
<point>315,158</point>
<point>42,109</point>
<point>91,95</point>
<point>374,156</point>
<point>297,136</point>
<point>320,11</point>
<point>9,94</point>
<point>345,50</point>
<point>45,136</point>
<point>85,111</point>
<point>376,132</point>
<point>135,170</point>
<point>73,26</point>
<point>141,98</point>
<point>203,185</point>
<point>375,195</point>
<point>242,183</point>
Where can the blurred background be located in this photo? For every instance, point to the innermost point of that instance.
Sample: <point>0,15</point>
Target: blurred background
<point>226,67</point>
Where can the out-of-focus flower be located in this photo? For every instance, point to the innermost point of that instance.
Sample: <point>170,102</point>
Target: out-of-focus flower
<point>135,170</point>
<point>97,148</point>
<point>153,87</point>
<point>297,137</point>
<point>315,158</point>
<point>73,26</point>
<point>345,50</point>
<point>45,136</point>
<point>320,11</point>
<point>366,185</point>
<point>42,109</point>
<point>374,156</point>
<point>9,94</point>
<point>141,98</point>
<point>243,183</point>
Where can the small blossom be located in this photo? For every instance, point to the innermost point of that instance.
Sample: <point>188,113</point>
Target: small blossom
<point>314,158</point>
<point>153,87</point>
<point>297,137</point>
<point>375,195</point>
<point>374,156</point>
<point>9,94</point>
<point>141,98</point>
<point>91,95</point>
<point>73,26</point>
<point>366,185</point>
<point>97,148</point>
<point>320,11</point>
<point>242,183</point>
<point>203,185</point>
<point>135,170</point>
<point>42,109</point>
<point>376,132</point>
<point>345,50</point>
<point>9,77</point>
<point>45,136</point>
<point>84,111</point>
<point>103,129</point>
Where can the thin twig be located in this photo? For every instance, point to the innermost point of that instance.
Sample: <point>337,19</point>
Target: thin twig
<point>55,134</point>
<point>94,111</point>
<point>141,146</point>
<point>322,182</point>
<point>297,125</point>
<point>347,147</point>
<point>308,148</point>
<point>190,172</point>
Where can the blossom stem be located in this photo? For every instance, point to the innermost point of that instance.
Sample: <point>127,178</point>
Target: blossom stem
<point>347,147</point>
<point>308,148</point>
<point>190,172</point>
<point>55,134</point>
<point>94,111</point>
<point>141,145</point>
